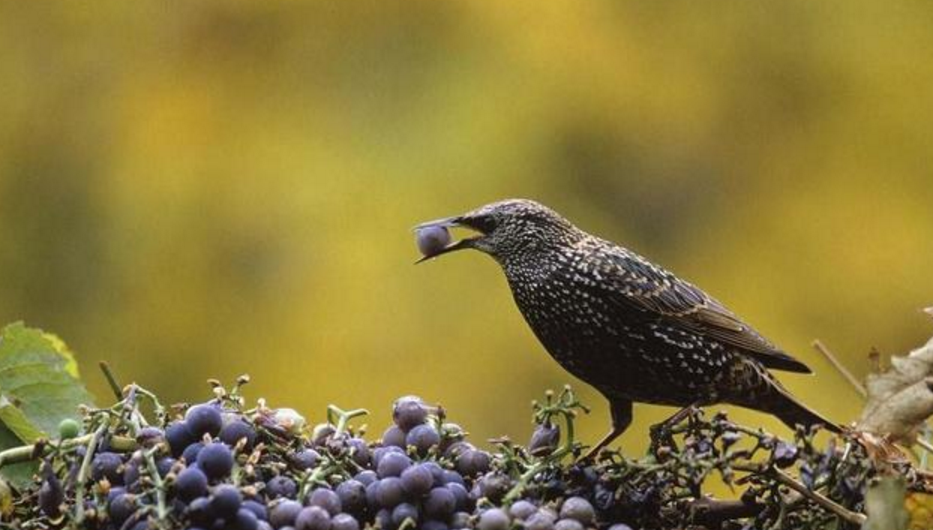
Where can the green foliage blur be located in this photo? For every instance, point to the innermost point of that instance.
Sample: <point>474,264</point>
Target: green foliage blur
<point>204,189</point>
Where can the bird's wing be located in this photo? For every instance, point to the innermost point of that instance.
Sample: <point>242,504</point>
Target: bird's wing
<point>680,304</point>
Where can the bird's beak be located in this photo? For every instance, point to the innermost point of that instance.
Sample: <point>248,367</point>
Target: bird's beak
<point>449,222</point>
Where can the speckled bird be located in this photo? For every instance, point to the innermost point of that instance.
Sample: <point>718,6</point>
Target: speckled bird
<point>633,330</point>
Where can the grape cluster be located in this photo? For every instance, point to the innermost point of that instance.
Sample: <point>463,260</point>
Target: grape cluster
<point>219,465</point>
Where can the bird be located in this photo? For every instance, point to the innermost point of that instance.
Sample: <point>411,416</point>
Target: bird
<point>622,324</point>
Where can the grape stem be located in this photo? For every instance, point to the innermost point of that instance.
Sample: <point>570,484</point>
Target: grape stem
<point>25,453</point>
<point>341,418</point>
<point>818,498</point>
<point>565,408</point>
<point>84,470</point>
<point>135,421</point>
<point>111,380</point>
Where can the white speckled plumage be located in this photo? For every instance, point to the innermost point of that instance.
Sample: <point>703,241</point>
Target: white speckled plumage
<point>628,327</point>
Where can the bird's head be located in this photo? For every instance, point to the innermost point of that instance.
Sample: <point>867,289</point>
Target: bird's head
<point>507,229</point>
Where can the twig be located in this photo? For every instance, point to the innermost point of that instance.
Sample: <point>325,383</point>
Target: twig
<point>111,380</point>
<point>856,384</point>
<point>84,470</point>
<point>792,483</point>
<point>25,453</point>
<point>925,445</point>
<point>819,498</point>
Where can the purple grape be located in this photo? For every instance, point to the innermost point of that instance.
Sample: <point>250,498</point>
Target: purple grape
<point>417,480</point>
<point>620,526</point>
<point>305,459</point>
<point>322,433</point>
<point>473,462</point>
<point>568,524</point>
<point>522,510</point>
<point>313,518</point>
<point>367,477</point>
<point>148,437</point>
<point>423,438</point>
<point>281,486</point>
<point>190,484</point>
<point>326,499</point>
<point>544,440</point>
<point>460,520</point>
<point>434,525</point>
<point>107,466</point>
<point>244,520</point>
<point>200,512</point>
<point>384,519</point>
<point>432,240</point>
<point>352,495</point>
<point>409,411</point>
<point>493,486</point>
<point>394,437</point>
<point>452,476</point>
<point>258,509</point>
<point>226,501</point>
<point>371,499</point>
<point>164,465</point>
<point>541,520</point>
<point>204,419</point>
<point>238,430</point>
<point>344,521</point>
<point>380,452</point>
<point>440,503</point>
<point>403,512</point>
<point>493,519</point>
<point>190,454</point>
<point>579,509</point>
<point>389,492</point>
<point>216,460</point>
<point>284,513</point>
<point>131,471</point>
<point>359,451</point>
<point>464,503</point>
<point>392,465</point>
<point>121,507</point>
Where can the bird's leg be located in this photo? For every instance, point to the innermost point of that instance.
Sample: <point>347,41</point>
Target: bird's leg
<point>621,418</point>
<point>661,432</point>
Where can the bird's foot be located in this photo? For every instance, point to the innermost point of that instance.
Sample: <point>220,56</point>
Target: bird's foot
<point>662,434</point>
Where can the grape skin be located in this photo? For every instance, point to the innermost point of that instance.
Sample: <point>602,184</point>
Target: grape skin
<point>191,483</point>
<point>432,239</point>
<point>216,460</point>
<point>417,480</point>
<point>204,419</point>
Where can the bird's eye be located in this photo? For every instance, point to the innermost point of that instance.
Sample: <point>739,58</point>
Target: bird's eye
<point>483,223</point>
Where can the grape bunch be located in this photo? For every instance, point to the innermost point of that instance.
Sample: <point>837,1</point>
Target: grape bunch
<point>220,465</point>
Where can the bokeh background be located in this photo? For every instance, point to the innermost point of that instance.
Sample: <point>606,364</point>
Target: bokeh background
<point>204,189</point>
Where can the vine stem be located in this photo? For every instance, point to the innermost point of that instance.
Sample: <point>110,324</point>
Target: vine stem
<point>565,449</point>
<point>111,380</point>
<point>84,470</point>
<point>161,510</point>
<point>824,501</point>
<point>25,453</point>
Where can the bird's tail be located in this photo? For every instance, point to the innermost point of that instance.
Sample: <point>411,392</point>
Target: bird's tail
<point>792,412</point>
<point>774,399</point>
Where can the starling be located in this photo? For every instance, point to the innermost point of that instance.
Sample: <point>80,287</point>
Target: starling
<point>629,328</point>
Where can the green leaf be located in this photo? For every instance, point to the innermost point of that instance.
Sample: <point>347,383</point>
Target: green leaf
<point>884,504</point>
<point>19,475</point>
<point>39,385</point>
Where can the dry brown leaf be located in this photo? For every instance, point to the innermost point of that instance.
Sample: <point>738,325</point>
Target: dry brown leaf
<point>900,399</point>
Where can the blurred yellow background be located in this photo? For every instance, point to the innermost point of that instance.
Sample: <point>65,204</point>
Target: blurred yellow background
<point>202,189</point>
